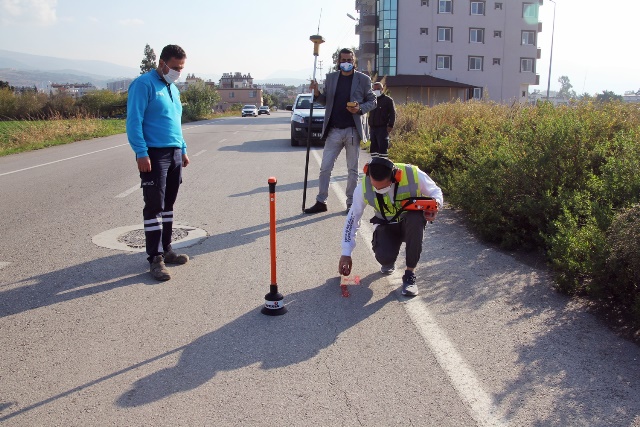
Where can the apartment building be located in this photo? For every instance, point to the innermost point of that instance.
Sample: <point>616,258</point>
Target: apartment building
<point>434,51</point>
<point>238,88</point>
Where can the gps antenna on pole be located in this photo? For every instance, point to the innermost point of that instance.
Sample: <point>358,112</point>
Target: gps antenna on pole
<point>273,301</point>
<point>317,41</point>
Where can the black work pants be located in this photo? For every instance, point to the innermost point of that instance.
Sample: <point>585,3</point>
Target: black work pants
<point>387,239</point>
<point>379,141</point>
<point>160,189</point>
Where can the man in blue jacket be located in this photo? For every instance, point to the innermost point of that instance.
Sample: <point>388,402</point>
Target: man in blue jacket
<point>154,130</point>
<point>347,97</point>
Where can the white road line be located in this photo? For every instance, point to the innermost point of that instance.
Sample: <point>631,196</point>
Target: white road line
<point>127,192</point>
<point>198,153</point>
<point>61,160</point>
<point>223,140</point>
<point>464,380</point>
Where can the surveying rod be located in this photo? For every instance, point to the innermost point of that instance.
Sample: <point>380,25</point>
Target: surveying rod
<point>317,40</point>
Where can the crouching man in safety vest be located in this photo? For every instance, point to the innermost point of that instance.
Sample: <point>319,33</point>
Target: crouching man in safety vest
<point>404,199</point>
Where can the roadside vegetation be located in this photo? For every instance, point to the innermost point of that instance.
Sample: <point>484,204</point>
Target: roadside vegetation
<point>562,181</point>
<point>30,120</point>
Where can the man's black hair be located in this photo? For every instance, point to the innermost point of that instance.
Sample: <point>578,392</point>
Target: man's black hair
<point>172,51</point>
<point>347,51</point>
<point>380,169</point>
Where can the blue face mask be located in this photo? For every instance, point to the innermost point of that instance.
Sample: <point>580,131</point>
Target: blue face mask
<point>346,66</point>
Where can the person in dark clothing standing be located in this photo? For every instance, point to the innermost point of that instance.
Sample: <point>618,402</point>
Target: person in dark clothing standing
<point>381,121</point>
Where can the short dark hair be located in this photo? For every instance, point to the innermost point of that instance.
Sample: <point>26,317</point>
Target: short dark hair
<point>348,52</point>
<point>172,51</point>
<point>380,168</point>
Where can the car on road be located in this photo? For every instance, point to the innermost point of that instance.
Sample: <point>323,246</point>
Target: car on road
<point>264,110</point>
<point>249,110</point>
<point>300,111</point>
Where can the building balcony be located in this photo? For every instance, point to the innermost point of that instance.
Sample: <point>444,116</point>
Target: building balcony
<point>537,79</point>
<point>539,54</point>
<point>368,49</point>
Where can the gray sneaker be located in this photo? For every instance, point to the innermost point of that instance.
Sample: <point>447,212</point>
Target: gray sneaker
<point>173,258</point>
<point>409,286</point>
<point>158,270</point>
<point>387,269</point>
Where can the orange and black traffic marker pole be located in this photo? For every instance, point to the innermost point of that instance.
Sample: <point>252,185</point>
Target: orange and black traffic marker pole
<point>273,301</point>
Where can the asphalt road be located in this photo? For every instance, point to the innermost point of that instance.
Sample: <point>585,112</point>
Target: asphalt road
<point>87,337</point>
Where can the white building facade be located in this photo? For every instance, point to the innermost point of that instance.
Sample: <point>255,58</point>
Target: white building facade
<point>432,50</point>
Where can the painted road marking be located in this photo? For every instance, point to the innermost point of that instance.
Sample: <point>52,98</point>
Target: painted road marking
<point>127,192</point>
<point>464,380</point>
<point>61,160</point>
<point>198,153</point>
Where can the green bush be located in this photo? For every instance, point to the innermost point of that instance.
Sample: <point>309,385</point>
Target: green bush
<point>533,176</point>
<point>199,102</point>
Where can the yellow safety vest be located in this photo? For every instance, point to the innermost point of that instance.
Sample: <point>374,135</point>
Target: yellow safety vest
<point>406,188</point>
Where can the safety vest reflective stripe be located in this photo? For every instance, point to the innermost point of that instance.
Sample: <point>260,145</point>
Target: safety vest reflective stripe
<point>407,187</point>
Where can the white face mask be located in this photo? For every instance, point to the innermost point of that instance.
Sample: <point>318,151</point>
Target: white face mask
<point>377,92</point>
<point>346,66</point>
<point>384,190</point>
<point>172,75</point>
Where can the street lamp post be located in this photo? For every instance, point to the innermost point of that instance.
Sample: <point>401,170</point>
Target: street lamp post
<point>553,29</point>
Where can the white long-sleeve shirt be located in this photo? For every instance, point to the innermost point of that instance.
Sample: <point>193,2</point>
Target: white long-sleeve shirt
<point>427,187</point>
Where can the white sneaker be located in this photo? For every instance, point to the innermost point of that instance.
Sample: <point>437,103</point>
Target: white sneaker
<point>387,269</point>
<point>409,286</point>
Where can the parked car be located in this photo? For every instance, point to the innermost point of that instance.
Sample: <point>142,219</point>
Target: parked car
<point>300,111</point>
<point>249,110</point>
<point>264,110</point>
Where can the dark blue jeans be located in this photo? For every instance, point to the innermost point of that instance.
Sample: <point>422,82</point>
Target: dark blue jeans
<point>160,190</point>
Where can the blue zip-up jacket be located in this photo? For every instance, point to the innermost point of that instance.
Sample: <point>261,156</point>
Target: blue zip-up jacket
<point>154,115</point>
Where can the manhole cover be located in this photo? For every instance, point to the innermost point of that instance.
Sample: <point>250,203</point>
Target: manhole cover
<point>131,238</point>
<point>136,239</point>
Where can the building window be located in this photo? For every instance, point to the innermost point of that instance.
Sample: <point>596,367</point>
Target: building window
<point>253,93</point>
<point>477,8</point>
<point>424,31</point>
<point>497,33</point>
<point>387,36</point>
<point>476,35</point>
<point>526,65</point>
<point>529,37</point>
<point>424,2</point>
<point>477,92</point>
<point>498,6</point>
<point>232,95</point>
<point>475,63</point>
<point>423,59</point>
<point>443,62</point>
<point>496,61</point>
<point>445,6</point>
<point>445,34</point>
<point>529,10</point>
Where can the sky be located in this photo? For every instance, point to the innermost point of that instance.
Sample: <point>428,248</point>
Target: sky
<point>594,41</point>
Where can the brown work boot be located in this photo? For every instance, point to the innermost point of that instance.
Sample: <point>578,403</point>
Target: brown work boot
<point>158,270</point>
<point>173,258</point>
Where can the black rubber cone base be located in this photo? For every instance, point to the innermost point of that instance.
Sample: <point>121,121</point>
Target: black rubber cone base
<point>274,304</point>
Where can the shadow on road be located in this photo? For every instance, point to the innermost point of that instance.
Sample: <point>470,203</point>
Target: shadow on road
<point>273,342</point>
<point>88,278</point>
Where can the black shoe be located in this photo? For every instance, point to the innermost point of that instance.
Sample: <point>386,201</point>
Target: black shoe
<point>348,208</point>
<point>318,207</point>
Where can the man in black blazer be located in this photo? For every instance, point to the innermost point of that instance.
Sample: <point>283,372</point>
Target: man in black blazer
<point>347,97</point>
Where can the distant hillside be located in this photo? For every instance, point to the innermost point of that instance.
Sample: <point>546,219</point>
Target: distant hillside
<point>22,69</point>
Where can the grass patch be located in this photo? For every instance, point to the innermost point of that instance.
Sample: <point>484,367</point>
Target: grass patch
<point>27,135</point>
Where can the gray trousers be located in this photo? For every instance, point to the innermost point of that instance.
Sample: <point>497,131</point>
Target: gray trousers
<point>337,139</point>
<point>387,239</point>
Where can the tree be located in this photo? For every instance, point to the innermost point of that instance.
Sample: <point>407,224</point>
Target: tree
<point>149,61</point>
<point>199,101</point>
<point>566,91</point>
<point>4,85</point>
<point>608,96</point>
